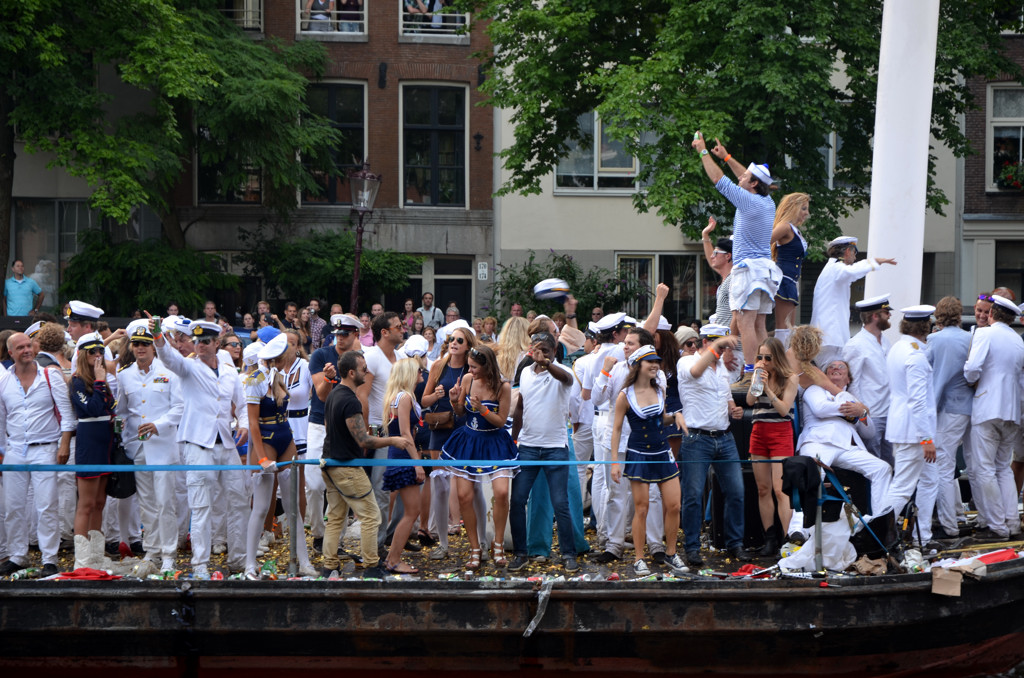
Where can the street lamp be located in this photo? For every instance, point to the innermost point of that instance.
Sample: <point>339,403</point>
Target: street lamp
<point>364,185</point>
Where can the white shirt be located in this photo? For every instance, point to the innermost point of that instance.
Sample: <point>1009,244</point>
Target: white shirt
<point>150,397</point>
<point>580,411</point>
<point>705,399</point>
<point>831,310</point>
<point>824,423</point>
<point>594,369</point>
<point>912,407</point>
<point>209,395</point>
<point>995,362</point>
<point>545,407</point>
<point>28,417</point>
<point>379,366</point>
<point>300,386</point>
<point>866,358</point>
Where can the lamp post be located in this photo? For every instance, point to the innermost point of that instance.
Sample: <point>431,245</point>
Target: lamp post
<point>364,185</point>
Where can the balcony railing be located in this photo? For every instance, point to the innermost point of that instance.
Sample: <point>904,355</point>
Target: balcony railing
<point>248,14</point>
<point>429,17</point>
<point>341,20</point>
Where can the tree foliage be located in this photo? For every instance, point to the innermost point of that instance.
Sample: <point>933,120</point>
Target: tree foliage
<point>771,80</point>
<point>321,265</point>
<point>121,277</point>
<point>513,283</point>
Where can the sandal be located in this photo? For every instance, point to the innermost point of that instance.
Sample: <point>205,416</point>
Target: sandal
<point>498,550</point>
<point>425,539</point>
<point>474,559</point>
<point>394,569</point>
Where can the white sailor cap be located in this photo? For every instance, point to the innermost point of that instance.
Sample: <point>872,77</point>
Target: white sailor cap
<point>1006,304</point>
<point>920,312</point>
<point>710,331</point>
<point>842,240</point>
<point>89,341</point>
<point>664,324</point>
<point>33,329</point>
<point>552,288</point>
<point>611,322</point>
<point>274,348</point>
<point>138,330</point>
<point>343,321</point>
<point>182,324</point>
<point>202,328</point>
<point>762,173</point>
<point>416,346</point>
<point>646,352</point>
<point>250,354</point>
<point>81,311</point>
<point>878,303</point>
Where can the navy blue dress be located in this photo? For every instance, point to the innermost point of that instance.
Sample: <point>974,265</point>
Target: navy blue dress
<point>398,477</point>
<point>94,435</point>
<point>790,258</point>
<point>648,442</point>
<point>449,378</point>
<point>482,443</point>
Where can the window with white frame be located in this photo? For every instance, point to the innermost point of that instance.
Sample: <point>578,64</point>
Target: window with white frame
<point>1005,133</point>
<point>319,17</point>
<point>430,17</point>
<point>434,145</point>
<point>691,282</point>
<point>830,151</point>
<point>344,104</point>
<point>598,163</point>
<point>246,14</point>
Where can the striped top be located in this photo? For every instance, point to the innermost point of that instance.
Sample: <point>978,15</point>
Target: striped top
<point>752,225</point>
<point>764,411</point>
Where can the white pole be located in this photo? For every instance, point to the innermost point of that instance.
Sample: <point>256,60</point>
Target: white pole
<point>900,159</point>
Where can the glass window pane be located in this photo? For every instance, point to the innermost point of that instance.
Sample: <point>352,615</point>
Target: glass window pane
<point>1006,142</point>
<point>417,185</point>
<point>316,99</point>
<point>417,106</point>
<point>1008,103</point>
<point>349,105</point>
<point>449,107</point>
<point>679,272</point>
<point>613,154</point>
<point>638,268</point>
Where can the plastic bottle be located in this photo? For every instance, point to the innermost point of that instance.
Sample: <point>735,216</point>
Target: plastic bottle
<point>26,573</point>
<point>757,384</point>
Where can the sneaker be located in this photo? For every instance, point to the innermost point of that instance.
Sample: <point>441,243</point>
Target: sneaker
<point>659,558</point>
<point>49,569</point>
<point>112,548</point>
<point>251,574</point>
<point>640,568</point>
<point>375,572</point>
<point>570,564</point>
<point>676,564</point>
<point>9,568</point>
<point>328,572</point>
<point>438,553</point>
<point>693,559</point>
<point>137,550</point>
<point>517,563</point>
<point>737,553</point>
<point>318,544</point>
<point>540,560</point>
<point>167,564</point>
<point>606,557</point>
<point>798,538</point>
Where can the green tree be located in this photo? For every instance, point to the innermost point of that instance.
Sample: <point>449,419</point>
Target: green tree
<point>771,80</point>
<point>513,283</point>
<point>172,63</point>
<point>141,275</point>
<point>321,265</point>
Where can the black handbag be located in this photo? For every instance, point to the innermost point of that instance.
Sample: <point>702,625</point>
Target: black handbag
<point>120,484</point>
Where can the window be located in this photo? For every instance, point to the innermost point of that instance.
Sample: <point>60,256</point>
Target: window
<point>345,106</point>
<point>329,18</point>
<point>428,17</point>
<point>692,285</point>
<point>247,14</point>
<point>223,179</point>
<point>612,168</point>
<point>830,151</point>
<point>1005,131</point>
<point>434,145</point>
<point>1009,266</point>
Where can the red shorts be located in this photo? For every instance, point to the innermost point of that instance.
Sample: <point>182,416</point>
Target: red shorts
<point>772,439</point>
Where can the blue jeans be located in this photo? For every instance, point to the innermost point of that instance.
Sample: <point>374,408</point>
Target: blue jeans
<point>558,489</point>
<point>539,514</point>
<point>696,453</point>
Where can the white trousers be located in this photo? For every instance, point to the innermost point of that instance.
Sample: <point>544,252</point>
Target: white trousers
<point>600,479</point>
<point>158,510</point>
<point>909,465</point>
<point>67,498</point>
<point>618,499</point>
<point>992,486</point>
<point>878,473</point>
<point>315,436</point>
<point>201,486</point>
<point>583,445</point>
<point>936,491</point>
<point>44,487</point>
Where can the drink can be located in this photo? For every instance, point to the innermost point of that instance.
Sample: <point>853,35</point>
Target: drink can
<point>118,425</point>
<point>26,573</point>
<point>156,325</point>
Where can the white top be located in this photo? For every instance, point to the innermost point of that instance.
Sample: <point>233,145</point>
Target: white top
<point>594,368</point>
<point>823,423</point>
<point>995,362</point>
<point>705,399</point>
<point>300,386</point>
<point>545,407</point>
<point>866,357</point>
<point>209,395</point>
<point>28,417</point>
<point>379,366</point>
<point>831,310</point>
<point>580,411</point>
<point>150,397</point>
<point>912,407</point>
<point>257,384</point>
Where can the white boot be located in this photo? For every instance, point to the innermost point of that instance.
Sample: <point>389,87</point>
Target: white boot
<point>82,554</point>
<point>97,555</point>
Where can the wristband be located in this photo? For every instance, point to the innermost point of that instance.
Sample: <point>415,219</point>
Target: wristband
<point>606,373</point>
<point>570,316</point>
<point>718,356</point>
<point>726,158</point>
<point>927,441</point>
<point>703,152</point>
<point>863,419</point>
<point>485,411</point>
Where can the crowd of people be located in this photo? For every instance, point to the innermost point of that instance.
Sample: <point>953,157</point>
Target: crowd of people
<point>624,416</point>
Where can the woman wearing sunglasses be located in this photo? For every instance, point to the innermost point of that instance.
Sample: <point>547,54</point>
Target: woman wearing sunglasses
<point>484,397</point>
<point>772,435</point>
<point>233,345</point>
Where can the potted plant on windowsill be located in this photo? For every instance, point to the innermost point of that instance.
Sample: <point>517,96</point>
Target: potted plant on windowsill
<point>1011,177</point>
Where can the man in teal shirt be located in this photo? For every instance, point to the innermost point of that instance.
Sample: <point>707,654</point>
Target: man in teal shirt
<point>22,296</point>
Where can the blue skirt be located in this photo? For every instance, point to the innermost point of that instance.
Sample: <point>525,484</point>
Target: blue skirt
<point>664,469</point>
<point>788,291</point>
<point>398,477</point>
<point>481,448</point>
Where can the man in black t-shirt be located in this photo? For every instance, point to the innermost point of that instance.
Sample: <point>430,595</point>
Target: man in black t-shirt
<point>349,486</point>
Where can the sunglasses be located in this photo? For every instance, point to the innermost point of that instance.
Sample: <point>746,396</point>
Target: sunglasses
<point>204,340</point>
<point>234,344</point>
<point>763,356</point>
<point>986,297</point>
<point>541,336</point>
<point>477,353</point>
<point>141,343</point>
<point>459,340</point>
<point>718,252</point>
<point>692,343</point>
<point>343,333</point>
<point>95,351</point>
